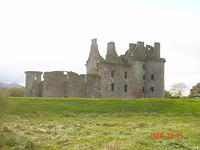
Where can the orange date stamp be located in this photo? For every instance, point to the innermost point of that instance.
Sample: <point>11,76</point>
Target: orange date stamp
<point>178,135</point>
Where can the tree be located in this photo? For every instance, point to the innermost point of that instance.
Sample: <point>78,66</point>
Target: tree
<point>195,91</point>
<point>168,94</point>
<point>178,89</point>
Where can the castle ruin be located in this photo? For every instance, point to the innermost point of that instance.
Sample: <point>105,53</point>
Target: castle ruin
<point>139,73</point>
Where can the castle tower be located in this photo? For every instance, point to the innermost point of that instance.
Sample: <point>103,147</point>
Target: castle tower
<point>33,84</point>
<point>154,72</point>
<point>111,55</point>
<point>94,59</point>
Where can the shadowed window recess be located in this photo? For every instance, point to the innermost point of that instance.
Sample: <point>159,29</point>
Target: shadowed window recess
<point>152,77</point>
<point>125,74</point>
<point>152,89</point>
<point>125,88</point>
<point>112,73</point>
<point>112,87</point>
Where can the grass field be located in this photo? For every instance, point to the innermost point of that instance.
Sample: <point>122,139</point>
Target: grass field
<point>100,124</point>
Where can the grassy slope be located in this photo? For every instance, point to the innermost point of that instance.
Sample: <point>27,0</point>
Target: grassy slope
<point>110,124</point>
<point>63,105</point>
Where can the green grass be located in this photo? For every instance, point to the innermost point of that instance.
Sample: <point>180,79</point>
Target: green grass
<point>72,105</point>
<point>99,124</point>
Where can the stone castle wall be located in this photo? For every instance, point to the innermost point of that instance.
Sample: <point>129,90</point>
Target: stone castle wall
<point>136,74</point>
<point>155,70</point>
<point>93,86</point>
<point>113,74</point>
<point>53,84</point>
<point>75,85</point>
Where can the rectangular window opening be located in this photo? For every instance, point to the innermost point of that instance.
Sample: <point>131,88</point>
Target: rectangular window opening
<point>97,63</point>
<point>125,88</point>
<point>143,77</point>
<point>125,74</point>
<point>112,73</point>
<point>112,87</point>
<point>144,66</point>
<point>152,76</point>
<point>152,89</point>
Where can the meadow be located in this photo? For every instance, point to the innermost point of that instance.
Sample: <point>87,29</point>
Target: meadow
<point>100,124</point>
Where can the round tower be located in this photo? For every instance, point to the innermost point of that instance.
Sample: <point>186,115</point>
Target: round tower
<point>33,83</point>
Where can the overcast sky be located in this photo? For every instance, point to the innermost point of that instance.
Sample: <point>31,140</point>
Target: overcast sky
<point>48,35</point>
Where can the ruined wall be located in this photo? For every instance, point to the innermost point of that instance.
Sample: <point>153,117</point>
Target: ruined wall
<point>53,85</point>
<point>62,84</point>
<point>93,86</point>
<point>75,85</point>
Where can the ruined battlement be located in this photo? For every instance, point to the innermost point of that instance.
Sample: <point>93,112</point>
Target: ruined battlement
<point>139,72</point>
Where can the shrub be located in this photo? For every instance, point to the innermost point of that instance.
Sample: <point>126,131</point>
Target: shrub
<point>3,94</point>
<point>3,100</point>
<point>16,92</point>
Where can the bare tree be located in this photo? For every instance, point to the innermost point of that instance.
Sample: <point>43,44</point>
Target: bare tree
<point>168,94</point>
<point>178,89</point>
